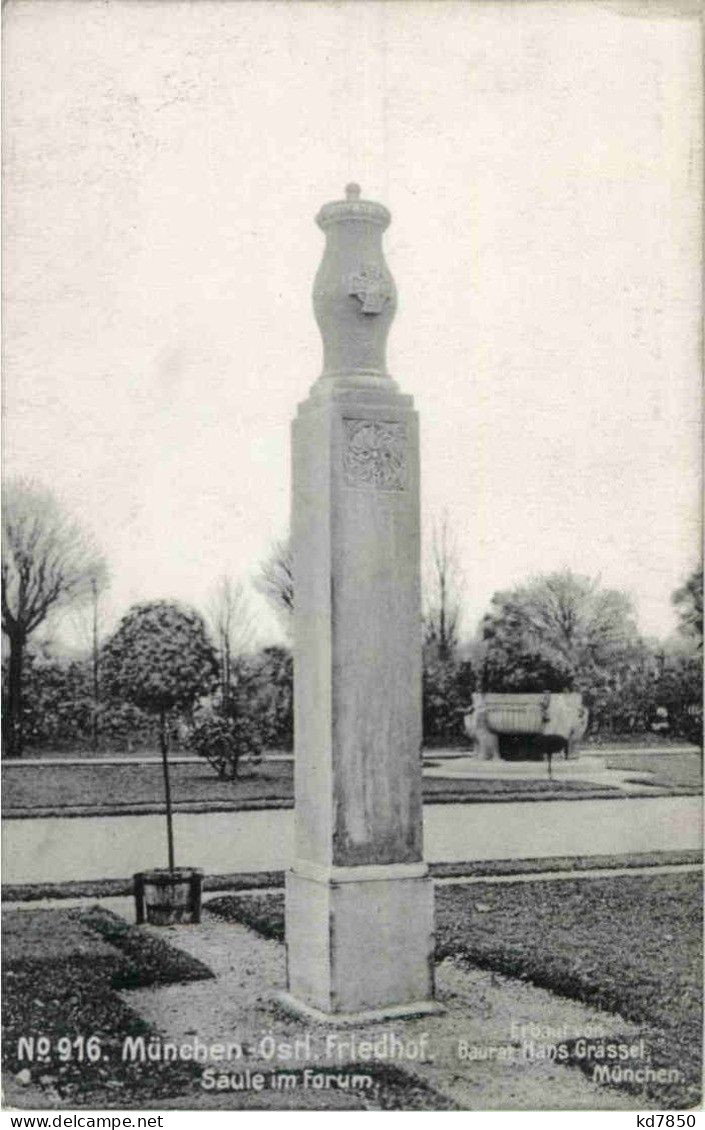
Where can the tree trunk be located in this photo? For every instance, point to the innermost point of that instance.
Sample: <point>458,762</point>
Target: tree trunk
<point>96,686</point>
<point>226,676</point>
<point>163,742</point>
<point>14,733</point>
<point>442,641</point>
<point>223,691</point>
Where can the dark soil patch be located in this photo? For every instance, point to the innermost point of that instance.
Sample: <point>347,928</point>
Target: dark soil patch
<point>352,1086</point>
<point>496,867</point>
<point>629,741</point>
<point>262,913</point>
<point>508,788</point>
<point>61,973</point>
<point>389,1087</point>
<point>116,888</point>
<point>154,961</point>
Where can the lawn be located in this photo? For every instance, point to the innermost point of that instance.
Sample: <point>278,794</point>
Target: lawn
<point>140,787</point>
<point>132,786</point>
<point>61,974</point>
<point>627,944</point>
<point>667,768</point>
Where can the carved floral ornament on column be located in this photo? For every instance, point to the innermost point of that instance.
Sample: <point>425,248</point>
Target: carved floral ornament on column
<point>372,287</point>
<point>375,454</point>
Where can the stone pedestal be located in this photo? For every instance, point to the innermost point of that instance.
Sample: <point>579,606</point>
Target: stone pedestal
<point>359,903</point>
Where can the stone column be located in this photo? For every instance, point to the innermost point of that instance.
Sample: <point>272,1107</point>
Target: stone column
<point>359,903</point>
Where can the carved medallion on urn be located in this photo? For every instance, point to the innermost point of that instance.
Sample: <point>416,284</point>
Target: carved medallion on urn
<point>354,296</point>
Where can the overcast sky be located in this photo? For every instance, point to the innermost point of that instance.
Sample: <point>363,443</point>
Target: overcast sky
<point>164,162</point>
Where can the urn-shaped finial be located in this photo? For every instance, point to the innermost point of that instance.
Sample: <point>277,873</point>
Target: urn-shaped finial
<point>354,297</point>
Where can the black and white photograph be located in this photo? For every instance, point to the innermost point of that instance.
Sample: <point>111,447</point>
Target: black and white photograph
<point>352,575</point>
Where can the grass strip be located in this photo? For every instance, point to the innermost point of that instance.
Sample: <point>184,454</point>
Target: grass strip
<point>253,880</point>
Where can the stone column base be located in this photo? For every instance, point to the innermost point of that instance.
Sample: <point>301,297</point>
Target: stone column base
<point>359,941</point>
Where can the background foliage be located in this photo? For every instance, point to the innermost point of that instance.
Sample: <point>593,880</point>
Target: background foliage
<point>631,685</point>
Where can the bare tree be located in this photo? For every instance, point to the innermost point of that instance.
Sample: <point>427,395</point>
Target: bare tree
<point>89,626</point>
<point>233,626</point>
<point>443,607</point>
<point>47,561</point>
<point>275,581</point>
<point>566,617</point>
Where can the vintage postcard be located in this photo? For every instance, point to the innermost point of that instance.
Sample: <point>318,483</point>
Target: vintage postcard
<point>351,574</point>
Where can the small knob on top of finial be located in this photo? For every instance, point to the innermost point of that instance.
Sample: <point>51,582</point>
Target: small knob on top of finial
<point>353,209</point>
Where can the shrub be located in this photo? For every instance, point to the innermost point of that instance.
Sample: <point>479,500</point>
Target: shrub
<point>223,741</point>
<point>527,672</point>
<point>447,692</point>
<point>264,693</point>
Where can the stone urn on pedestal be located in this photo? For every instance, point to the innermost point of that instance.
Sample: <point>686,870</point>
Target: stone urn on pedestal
<point>519,726</point>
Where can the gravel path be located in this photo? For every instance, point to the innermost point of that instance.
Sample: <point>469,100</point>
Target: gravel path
<point>588,768</point>
<point>480,1010</point>
<point>221,842</point>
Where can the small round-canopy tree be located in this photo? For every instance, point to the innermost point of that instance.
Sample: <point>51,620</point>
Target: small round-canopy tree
<point>160,658</point>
